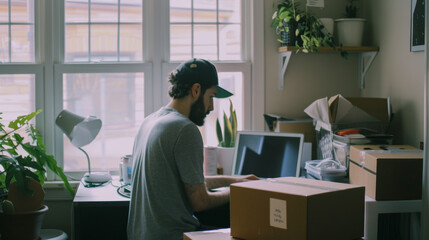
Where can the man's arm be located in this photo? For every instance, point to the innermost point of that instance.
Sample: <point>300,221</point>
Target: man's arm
<point>201,199</point>
<point>223,180</point>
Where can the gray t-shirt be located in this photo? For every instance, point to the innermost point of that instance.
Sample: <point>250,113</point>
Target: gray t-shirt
<point>168,152</point>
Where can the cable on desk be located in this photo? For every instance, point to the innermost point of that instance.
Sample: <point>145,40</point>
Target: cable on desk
<point>92,185</point>
<point>124,190</point>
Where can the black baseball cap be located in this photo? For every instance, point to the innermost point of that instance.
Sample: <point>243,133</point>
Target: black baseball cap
<point>201,71</point>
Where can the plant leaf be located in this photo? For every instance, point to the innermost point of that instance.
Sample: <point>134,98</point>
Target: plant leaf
<point>10,174</point>
<point>219,132</point>
<point>227,131</point>
<point>22,120</point>
<point>22,183</point>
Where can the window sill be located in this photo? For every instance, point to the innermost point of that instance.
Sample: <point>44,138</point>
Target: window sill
<point>55,191</point>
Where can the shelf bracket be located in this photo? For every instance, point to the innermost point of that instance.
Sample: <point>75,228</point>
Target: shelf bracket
<point>283,61</point>
<point>362,67</point>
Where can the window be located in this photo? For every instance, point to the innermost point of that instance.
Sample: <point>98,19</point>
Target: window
<point>17,81</point>
<point>16,31</point>
<point>106,38</point>
<point>213,30</point>
<point>110,59</point>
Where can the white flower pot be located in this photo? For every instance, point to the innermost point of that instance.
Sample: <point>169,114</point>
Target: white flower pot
<point>225,157</point>
<point>350,31</point>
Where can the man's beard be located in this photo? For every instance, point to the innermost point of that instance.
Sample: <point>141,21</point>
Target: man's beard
<point>198,112</point>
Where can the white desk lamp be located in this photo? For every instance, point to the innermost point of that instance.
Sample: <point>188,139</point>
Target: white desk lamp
<point>81,131</point>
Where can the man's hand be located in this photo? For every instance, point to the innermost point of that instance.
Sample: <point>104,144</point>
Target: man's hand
<point>246,178</point>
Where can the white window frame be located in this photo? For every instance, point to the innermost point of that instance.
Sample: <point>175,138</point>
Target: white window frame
<point>49,66</point>
<point>60,67</point>
<point>251,66</point>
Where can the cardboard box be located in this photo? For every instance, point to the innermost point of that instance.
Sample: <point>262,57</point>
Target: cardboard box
<point>388,172</point>
<point>305,127</point>
<point>347,112</point>
<point>296,208</point>
<point>220,234</point>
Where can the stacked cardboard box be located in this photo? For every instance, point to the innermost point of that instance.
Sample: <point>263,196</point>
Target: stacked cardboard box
<point>388,172</point>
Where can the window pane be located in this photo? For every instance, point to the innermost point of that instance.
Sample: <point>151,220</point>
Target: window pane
<point>22,43</point>
<point>104,10</point>
<point>4,43</point>
<point>205,11</point>
<point>104,42</point>
<point>215,29</point>
<point>115,98</point>
<point>233,82</point>
<point>4,11</point>
<point>76,11</point>
<point>180,42</point>
<point>18,44</point>
<point>131,11</point>
<point>22,11</point>
<point>180,11</point>
<point>76,43</point>
<point>205,42</point>
<point>103,31</point>
<point>229,42</point>
<point>16,95</point>
<point>131,42</point>
<point>230,11</point>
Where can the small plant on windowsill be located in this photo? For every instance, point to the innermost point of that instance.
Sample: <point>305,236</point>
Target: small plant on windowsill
<point>226,138</point>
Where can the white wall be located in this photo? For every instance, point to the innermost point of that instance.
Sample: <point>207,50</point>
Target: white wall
<point>309,76</point>
<point>395,72</point>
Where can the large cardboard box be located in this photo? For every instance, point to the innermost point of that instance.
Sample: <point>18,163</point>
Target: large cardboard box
<point>388,172</point>
<point>296,208</point>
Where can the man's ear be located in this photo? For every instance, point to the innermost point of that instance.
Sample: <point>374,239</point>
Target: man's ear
<point>196,90</point>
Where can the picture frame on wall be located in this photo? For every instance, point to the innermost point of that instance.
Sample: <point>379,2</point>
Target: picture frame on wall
<point>417,29</point>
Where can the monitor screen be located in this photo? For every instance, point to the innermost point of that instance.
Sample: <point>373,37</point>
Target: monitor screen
<point>268,154</point>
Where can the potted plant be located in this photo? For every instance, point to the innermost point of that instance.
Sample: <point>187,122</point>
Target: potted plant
<point>23,165</point>
<point>313,34</point>
<point>226,139</point>
<point>285,20</point>
<point>350,29</point>
<point>304,31</point>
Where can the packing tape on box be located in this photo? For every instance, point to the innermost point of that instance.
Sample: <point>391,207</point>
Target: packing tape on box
<point>302,185</point>
<point>394,150</point>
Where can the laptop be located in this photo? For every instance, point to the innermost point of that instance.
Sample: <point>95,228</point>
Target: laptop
<point>268,154</point>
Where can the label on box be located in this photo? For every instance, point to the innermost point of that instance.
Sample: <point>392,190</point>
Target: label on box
<point>278,213</point>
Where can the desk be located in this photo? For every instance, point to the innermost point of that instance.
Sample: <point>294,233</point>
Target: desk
<point>100,213</point>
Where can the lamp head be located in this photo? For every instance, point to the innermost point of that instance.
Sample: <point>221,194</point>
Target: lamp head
<point>79,130</point>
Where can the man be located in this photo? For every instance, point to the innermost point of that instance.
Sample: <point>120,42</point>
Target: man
<point>168,181</point>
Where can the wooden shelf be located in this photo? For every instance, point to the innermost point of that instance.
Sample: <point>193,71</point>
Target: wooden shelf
<point>365,52</point>
<point>330,50</point>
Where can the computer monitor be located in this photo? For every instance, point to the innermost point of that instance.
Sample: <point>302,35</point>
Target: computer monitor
<point>268,154</point>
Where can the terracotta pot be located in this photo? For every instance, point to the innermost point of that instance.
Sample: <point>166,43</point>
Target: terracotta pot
<point>22,225</point>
